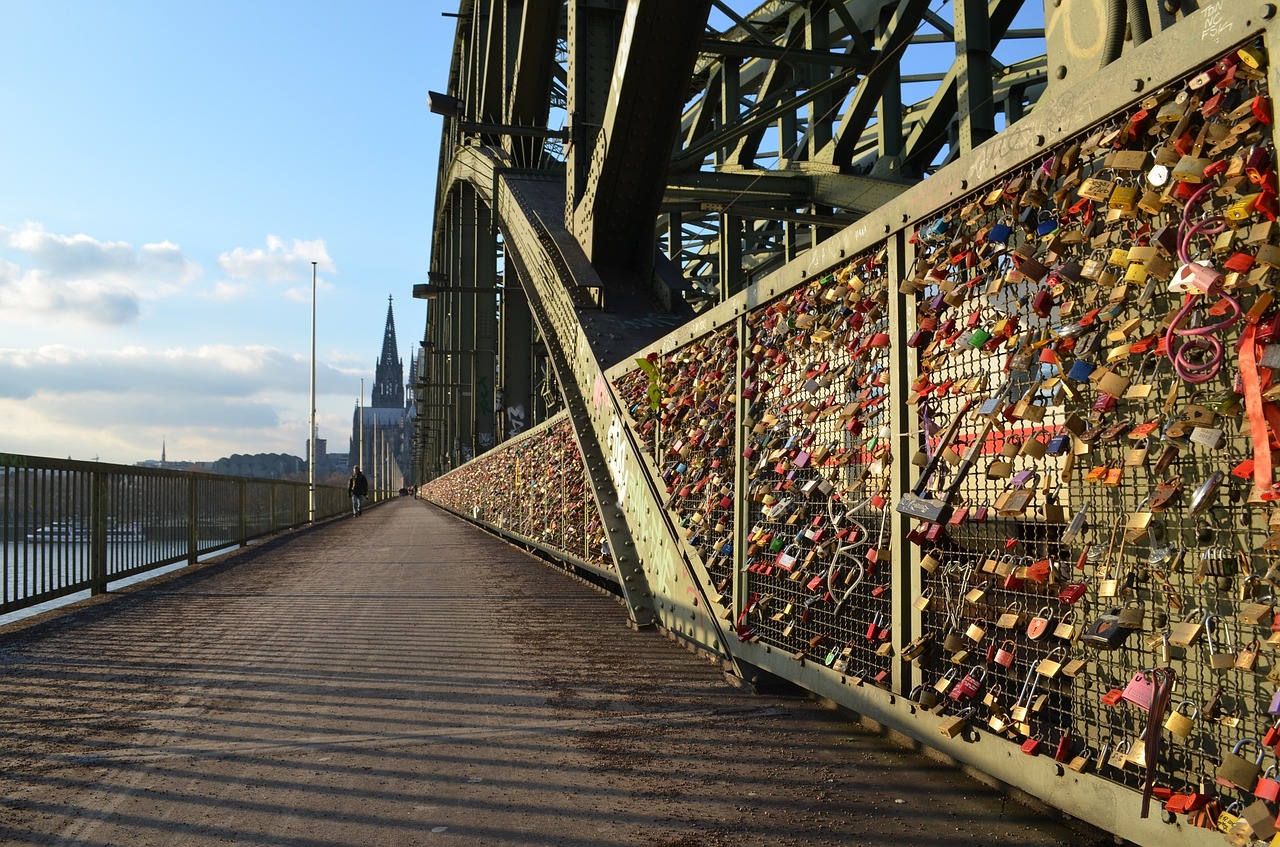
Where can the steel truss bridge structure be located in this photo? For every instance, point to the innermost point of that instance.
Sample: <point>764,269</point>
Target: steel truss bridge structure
<point>708,283</point>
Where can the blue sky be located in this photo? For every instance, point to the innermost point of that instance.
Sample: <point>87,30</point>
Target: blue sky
<point>168,172</point>
<point>169,169</point>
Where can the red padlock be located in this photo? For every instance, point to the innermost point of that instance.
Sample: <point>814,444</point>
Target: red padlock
<point>1031,747</point>
<point>1042,304</point>
<point>969,687</point>
<point>1072,592</point>
<point>1005,654</point>
<point>1063,751</point>
<point>1257,163</point>
<point>1268,787</point>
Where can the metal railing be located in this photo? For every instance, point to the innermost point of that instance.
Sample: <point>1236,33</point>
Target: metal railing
<point>68,526</point>
<point>532,489</point>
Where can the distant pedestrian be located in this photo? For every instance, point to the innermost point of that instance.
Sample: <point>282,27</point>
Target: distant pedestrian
<point>358,488</point>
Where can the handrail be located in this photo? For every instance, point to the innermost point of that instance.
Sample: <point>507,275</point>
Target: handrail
<point>68,526</point>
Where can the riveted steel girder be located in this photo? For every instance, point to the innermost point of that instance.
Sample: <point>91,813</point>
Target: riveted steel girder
<point>613,219</point>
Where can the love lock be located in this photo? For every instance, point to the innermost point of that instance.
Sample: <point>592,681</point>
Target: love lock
<point>1238,772</point>
<point>1181,721</point>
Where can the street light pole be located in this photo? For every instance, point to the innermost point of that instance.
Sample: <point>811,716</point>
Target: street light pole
<point>311,448</point>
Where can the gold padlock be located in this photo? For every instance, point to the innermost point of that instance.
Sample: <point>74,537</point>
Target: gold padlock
<point>1123,197</point>
<point>1136,273</point>
<point>1097,188</point>
<point>1092,267</point>
<point>1269,255</point>
<point>1171,111</point>
<point>1151,202</point>
<point>1190,169</point>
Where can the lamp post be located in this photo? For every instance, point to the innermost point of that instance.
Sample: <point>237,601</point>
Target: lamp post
<point>311,441</point>
<point>449,106</point>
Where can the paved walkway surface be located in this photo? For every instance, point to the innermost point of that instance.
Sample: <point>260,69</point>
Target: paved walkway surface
<point>402,678</point>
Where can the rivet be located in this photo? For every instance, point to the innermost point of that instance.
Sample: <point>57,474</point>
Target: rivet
<point>1060,72</point>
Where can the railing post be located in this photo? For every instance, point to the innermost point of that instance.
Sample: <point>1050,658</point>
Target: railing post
<point>193,515</point>
<point>98,534</point>
<point>244,512</point>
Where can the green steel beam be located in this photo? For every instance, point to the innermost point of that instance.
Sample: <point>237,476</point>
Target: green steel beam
<point>615,208</point>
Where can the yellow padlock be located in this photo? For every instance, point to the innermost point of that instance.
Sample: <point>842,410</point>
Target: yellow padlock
<point>1136,273</point>
<point>1123,198</point>
<point>1242,209</point>
<point>1253,57</point>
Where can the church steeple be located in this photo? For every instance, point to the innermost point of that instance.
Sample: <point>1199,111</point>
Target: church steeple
<point>388,382</point>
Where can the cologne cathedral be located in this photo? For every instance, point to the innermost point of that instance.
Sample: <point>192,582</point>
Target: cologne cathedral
<point>381,433</point>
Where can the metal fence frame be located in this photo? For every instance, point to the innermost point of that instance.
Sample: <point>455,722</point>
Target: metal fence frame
<point>701,617</point>
<point>69,526</point>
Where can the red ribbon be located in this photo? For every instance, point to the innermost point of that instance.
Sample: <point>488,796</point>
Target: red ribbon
<point>1260,413</point>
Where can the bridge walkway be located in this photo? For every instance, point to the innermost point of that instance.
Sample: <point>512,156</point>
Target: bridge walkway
<point>402,678</point>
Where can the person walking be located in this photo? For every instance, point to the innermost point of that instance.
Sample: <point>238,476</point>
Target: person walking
<point>358,488</point>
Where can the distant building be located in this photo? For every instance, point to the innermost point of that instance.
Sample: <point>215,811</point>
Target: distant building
<point>327,464</point>
<point>381,438</point>
<point>165,464</point>
<point>260,465</point>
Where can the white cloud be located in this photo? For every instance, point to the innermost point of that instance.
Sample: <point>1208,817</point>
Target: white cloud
<point>48,276</point>
<point>281,261</point>
<point>228,291</point>
<point>215,399</point>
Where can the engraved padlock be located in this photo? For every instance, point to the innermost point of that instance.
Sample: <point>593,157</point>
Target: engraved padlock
<point>1182,721</point>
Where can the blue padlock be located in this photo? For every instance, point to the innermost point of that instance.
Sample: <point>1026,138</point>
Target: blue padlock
<point>1080,370</point>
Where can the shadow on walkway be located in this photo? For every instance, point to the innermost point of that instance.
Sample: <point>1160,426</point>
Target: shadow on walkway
<point>402,678</point>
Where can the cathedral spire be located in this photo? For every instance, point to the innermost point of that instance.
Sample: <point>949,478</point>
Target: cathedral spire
<point>388,384</point>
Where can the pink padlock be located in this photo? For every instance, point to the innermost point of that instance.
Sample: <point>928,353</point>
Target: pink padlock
<point>1005,654</point>
<point>1139,690</point>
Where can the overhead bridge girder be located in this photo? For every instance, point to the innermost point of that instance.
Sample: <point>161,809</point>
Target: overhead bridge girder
<point>630,151</point>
